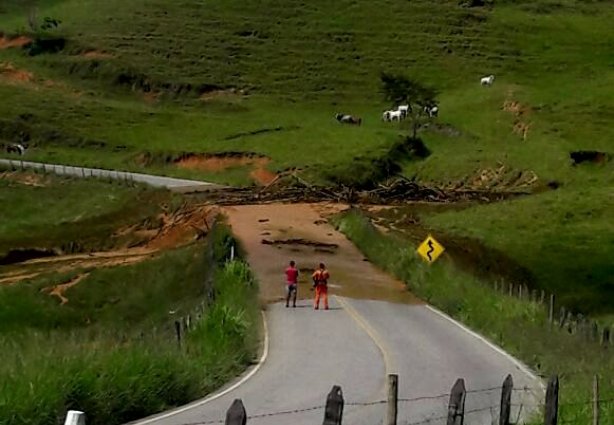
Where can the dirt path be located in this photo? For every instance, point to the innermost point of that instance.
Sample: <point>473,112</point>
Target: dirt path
<point>302,233</point>
<point>59,290</point>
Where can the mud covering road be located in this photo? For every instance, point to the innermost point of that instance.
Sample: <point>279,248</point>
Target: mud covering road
<point>275,234</point>
<point>374,327</point>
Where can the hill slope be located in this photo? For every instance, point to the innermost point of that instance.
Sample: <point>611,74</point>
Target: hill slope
<point>153,84</point>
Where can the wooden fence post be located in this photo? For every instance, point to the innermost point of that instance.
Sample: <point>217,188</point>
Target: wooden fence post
<point>506,401</point>
<point>236,414</point>
<point>178,332</point>
<point>551,309</point>
<point>562,317</point>
<point>393,395</point>
<point>542,297</point>
<point>333,412</point>
<point>605,337</point>
<point>511,289</point>
<point>551,412</point>
<point>456,407</point>
<point>596,400</point>
<point>520,291</point>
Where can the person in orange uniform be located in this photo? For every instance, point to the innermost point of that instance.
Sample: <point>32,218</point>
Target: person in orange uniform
<point>320,283</point>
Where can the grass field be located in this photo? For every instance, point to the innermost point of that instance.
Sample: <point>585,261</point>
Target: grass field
<point>521,327</point>
<point>565,239</point>
<point>50,212</point>
<point>111,349</point>
<point>299,70</point>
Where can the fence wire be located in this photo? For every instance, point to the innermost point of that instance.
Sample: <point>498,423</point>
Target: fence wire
<point>383,402</point>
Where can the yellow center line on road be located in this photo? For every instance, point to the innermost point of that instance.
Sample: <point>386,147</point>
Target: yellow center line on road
<point>389,365</point>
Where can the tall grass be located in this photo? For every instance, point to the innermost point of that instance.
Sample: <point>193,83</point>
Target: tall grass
<point>518,326</point>
<point>111,350</point>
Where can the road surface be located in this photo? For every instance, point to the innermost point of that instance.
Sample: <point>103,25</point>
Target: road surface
<point>174,184</point>
<point>374,328</point>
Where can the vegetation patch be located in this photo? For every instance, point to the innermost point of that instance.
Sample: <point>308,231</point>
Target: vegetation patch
<point>520,327</point>
<point>109,342</point>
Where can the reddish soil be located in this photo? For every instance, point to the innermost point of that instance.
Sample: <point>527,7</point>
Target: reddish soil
<point>6,43</point>
<point>176,229</point>
<point>151,97</point>
<point>13,75</point>
<point>96,54</point>
<point>521,112</point>
<point>219,94</point>
<point>14,277</point>
<point>28,179</point>
<point>262,176</point>
<point>351,275</point>
<point>59,290</point>
<point>217,163</point>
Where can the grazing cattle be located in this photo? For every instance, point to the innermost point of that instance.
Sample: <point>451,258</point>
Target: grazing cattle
<point>487,81</point>
<point>431,111</point>
<point>348,119</point>
<point>393,115</point>
<point>17,148</point>
<point>596,157</point>
<point>396,114</point>
<point>404,109</point>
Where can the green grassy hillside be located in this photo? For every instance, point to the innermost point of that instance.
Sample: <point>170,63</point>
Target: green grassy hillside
<point>139,83</point>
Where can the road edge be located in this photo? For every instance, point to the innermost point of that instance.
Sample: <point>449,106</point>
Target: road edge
<point>519,364</point>
<point>220,392</point>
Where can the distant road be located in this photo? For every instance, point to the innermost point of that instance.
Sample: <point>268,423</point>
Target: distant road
<point>171,183</point>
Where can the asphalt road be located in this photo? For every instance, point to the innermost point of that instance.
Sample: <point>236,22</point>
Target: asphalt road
<point>174,184</point>
<point>301,368</point>
<point>354,345</point>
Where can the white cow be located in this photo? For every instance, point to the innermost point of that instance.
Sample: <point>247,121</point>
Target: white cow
<point>404,109</point>
<point>396,115</point>
<point>431,111</point>
<point>16,148</point>
<point>487,81</point>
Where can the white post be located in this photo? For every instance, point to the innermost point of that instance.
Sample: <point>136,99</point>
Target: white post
<point>232,252</point>
<point>74,417</point>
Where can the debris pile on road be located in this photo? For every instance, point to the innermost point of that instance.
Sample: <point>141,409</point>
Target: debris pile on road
<point>394,192</point>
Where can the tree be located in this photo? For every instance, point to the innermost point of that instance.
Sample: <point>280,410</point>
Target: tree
<point>399,89</point>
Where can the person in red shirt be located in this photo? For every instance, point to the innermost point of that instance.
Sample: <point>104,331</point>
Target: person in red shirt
<point>320,283</point>
<point>291,284</point>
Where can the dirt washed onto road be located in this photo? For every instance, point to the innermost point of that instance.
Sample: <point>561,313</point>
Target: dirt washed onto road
<point>274,234</point>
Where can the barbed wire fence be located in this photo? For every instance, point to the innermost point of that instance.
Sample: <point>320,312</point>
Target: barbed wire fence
<point>456,414</point>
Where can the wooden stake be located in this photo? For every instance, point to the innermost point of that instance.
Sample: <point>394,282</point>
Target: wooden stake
<point>393,394</point>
